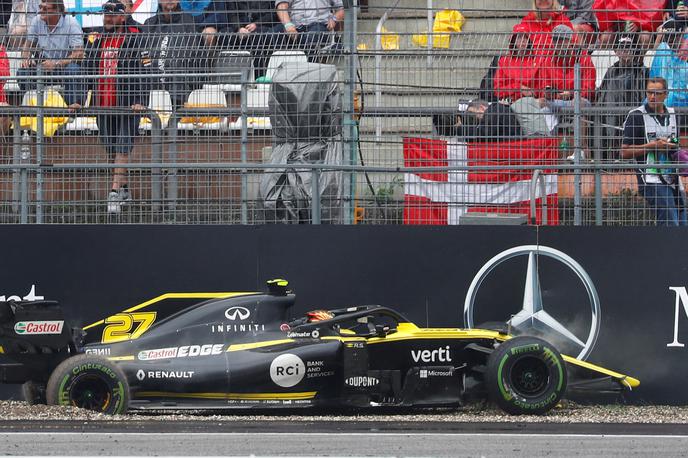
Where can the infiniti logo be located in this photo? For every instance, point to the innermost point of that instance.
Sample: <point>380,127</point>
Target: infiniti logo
<point>237,313</point>
<point>533,313</point>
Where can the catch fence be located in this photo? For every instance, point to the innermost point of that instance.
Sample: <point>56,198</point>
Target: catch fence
<point>378,117</point>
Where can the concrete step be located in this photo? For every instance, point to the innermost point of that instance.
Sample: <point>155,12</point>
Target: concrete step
<point>467,7</point>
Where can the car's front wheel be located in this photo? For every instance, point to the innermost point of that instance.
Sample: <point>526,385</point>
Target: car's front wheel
<point>90,382</point>
<point>526,375</point>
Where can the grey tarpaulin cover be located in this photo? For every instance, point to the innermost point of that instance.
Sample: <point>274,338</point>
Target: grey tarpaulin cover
<point>305,113</point>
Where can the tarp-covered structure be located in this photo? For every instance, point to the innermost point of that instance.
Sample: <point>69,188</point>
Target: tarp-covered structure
<point>305,113</point>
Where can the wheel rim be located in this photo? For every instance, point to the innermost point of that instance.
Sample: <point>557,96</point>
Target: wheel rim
<point>90,392</point>
<point>529,376</point>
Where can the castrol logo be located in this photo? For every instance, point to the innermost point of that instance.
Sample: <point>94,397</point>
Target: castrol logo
<point>39,327</point>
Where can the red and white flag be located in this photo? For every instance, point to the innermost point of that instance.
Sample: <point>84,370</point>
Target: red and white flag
<point>442,197</point>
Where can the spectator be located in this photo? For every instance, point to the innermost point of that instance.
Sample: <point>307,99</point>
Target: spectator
<point>545,16</point>
<point>23,13</point>
<point>307,22</point>
<point>582,17</point>
<point>173,46</point>
<point>516,71</point>
<point>480,121</point>
<point>115,50</point>
<point>649,138</point>
<point>678,10</point>
<point>555,78</point>
<point>623,86</point>
<point>5,121</point>
<point>210,17</point>
<point>56,42</point>
<point>671,63</point>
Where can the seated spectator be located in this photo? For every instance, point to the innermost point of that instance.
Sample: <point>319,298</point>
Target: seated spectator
<point>209,16</point>
<point>583,19</point>
<point>23,13</point>
<point>55,44</point>
<point>555,77</point>
<point>623,86</point>
<point>480,121</point>
<point>630,16</point>
<point>545,16</point>
<point>677,10</point>
<point>173,46</point>
<point>671,63</point>
<point>515,71</point>
<point>306,23</point>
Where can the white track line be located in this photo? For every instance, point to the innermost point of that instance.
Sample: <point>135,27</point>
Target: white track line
<point>302,435</point>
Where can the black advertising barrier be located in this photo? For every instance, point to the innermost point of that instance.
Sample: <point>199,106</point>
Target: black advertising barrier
<point>613,290</point>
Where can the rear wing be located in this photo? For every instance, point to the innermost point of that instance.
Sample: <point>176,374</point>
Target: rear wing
<point>34,338</point>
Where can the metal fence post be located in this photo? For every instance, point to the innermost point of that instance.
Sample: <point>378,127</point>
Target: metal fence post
<point>156,158</point>
<point>16,149</point>
<point>172,188</point>
<point>577,210</point>
<point>349,124</point>
<point>40,139</point>
<point>315,196</point>
<point>244,146</point>
<point>598,174</point>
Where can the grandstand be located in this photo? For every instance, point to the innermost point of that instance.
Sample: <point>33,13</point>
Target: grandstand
<point>203,160</point>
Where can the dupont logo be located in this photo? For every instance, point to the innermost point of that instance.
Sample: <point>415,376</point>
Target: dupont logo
<point>237,313</point>
<point>362,381</point>
<point>39,327</point>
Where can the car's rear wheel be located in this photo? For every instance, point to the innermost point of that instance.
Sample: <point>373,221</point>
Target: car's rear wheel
<point>526,375</point>
<point>89,382</point>
<point>33,393</point>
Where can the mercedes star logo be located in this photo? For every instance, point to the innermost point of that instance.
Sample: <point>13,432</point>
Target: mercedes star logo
<point>533,313</point>
<point>241,313</point>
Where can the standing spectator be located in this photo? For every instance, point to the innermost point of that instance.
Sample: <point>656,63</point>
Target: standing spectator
<point>57,44</point>
<point>545,16</point>
<point>623,86</point>
<point>173,46</point>
<point>4,72</point>
<point>23,13</point>
<point>671,63</point>
<point>516,71</point>
<point>649,134</point>
<point>307,22</point>
<point>115,50</point>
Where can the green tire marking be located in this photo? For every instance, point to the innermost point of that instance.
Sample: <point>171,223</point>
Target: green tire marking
<point>61,395</point>
<point>505,395</point>
<point>551,354</point>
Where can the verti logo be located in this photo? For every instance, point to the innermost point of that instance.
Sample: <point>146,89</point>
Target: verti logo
<point>38,327</point>
<point>237,313</point>
<point>439,355</point>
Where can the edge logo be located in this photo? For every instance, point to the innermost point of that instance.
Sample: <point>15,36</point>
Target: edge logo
<point>38,327</point>
<point>362,381</point>
<point>240,313</point>
<point>287,370</point>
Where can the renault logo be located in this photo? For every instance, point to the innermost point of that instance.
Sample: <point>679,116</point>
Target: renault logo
<point>140,375</point>
<point>533,313</point>
<point>237,313</point>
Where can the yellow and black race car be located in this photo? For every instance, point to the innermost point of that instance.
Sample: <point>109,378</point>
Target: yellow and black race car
<point>224,350</point>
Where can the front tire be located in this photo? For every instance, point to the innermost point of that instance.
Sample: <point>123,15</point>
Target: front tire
<point>526,375</point>
<point>89,382</point>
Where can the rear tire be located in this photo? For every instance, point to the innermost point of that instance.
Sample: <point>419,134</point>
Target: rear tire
<point>526,375</point>
<point>89,382</point>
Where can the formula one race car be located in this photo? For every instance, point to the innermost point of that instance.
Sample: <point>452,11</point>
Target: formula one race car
<point>223,350</point>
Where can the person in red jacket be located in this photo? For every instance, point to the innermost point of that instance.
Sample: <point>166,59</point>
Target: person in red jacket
<point>554,80</point>
<point>545,16</point>
<point>516,70</point>
<point>4,71</point>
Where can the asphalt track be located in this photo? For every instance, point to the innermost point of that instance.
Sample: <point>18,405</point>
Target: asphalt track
<point>281,438</point>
